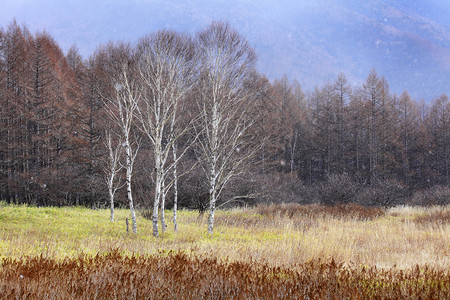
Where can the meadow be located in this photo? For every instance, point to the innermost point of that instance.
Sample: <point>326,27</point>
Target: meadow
<point>282,251</point>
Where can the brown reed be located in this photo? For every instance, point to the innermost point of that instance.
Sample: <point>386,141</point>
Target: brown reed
<point>180,276</point>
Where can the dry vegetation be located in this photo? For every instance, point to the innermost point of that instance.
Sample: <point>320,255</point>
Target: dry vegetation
<point>179,276</point>
<point>277,251</point>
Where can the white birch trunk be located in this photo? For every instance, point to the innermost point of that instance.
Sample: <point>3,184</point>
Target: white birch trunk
<point>155,212</point>
<point>175,187</point>
<point>212,200</point>
<point>111,169</point>
<point>126,116</point>
<point>158,190</point>
<point>293,148</point>
<point>212,179</point>
<point>129,167</point>
<point>111,195</point>
<point>111,199</point>
<point>163,204</point>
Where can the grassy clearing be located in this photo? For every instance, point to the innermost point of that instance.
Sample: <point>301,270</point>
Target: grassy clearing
<point>282,235</point>
<point>386,244</point>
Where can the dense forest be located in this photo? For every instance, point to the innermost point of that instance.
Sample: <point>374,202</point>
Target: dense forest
<point>189,118</point>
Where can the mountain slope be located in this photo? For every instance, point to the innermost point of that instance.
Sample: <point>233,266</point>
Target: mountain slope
<point>406,41</point>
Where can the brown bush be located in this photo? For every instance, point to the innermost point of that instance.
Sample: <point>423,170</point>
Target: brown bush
<point>435,218</point>
<point>240,220</point>
<point>338,189</point>
<point>286,188</point>
<point>350,210</point>
<point>178,276</point>
<point>436,195</point>
<point>384,193</point>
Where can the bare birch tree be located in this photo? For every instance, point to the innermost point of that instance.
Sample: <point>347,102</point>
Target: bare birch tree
<point>121,107</point>
<point>227,63</point>
<point>112,167</point>
<point>127,100</point>
<point>167,70</point>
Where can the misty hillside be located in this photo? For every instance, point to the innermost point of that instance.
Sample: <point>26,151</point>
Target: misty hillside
<point>312,41</point>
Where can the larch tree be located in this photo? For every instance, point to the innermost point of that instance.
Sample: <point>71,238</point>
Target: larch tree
<point>324,117</point>
<point>265,122</point>
<point>14,48</point>
<point>48,130</point>
<point>343,91</point>
<point>305,131</point>
<point>407,119</point>
<point>287,110</point>
<point>167,69</point>
<point>387,121</point>
<point>89,116</point>
<point>227,62</point>
<point>35,90</point>
<point>374,97</point>
<point>419,150</point>
<point>438,123</point>
<point>356,125</point>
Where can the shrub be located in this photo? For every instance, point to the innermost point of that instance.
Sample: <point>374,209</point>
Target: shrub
<point>436,217</point>
<point>436,195</point>
<point>384,193</point>
<point>293,210</point>
<point>339,189</point>
<point>286,188</point>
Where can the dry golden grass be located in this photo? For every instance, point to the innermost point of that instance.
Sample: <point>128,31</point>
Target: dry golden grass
<point>287,234</point>
<point>279,235</point>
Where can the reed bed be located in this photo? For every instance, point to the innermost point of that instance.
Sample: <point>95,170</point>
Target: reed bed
<point>180,276</point>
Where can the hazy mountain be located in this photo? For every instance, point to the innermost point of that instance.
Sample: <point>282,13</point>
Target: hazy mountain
<point>406,41</point>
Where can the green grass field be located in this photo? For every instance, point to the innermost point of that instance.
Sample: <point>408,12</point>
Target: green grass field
<point>287,238</point>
